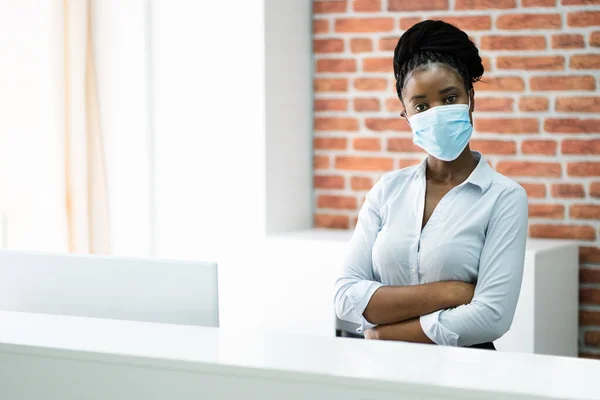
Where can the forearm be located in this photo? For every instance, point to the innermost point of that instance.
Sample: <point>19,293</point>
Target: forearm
<point>471,324</point>
<point>390,304</point>
<point>405,331</point>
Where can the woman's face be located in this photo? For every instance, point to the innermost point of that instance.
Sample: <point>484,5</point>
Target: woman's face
<point>434,86</point>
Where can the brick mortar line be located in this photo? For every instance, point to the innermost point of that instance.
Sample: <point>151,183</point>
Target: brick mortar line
<point>350,151</point>
<point>508,73</point>
<point>525,77</point>
<point>519,138</point>
<point>587,307</point>
<point>481,136</point>
<point>551,95</point>
<point>566,221</point>
<point>378,53</point>
<point>384,12</point>
<point>585,350</point>
<point>360,195</point>
<point>492,31</point>
<point>564,202</point>
<point>593,351</point>
<point>452,5</point>
<point>583,285</point>
<point>383,96</point>
<point>532,200</point>
<point>482,114</point>
<point>540,158</point>
<point>583,329</point>
<point>588,349</point>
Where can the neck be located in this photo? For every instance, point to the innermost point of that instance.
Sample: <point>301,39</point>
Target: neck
<point>451,172</point>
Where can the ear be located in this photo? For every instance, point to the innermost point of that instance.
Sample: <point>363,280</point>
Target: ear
<point>403,115</point>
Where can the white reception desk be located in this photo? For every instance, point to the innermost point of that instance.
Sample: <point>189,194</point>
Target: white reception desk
<point>299,270</point>
<point>60,357</point>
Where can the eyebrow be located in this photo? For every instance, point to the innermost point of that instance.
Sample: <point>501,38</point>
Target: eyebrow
<point>418,97</point>
<point>448,89</point>
<point>422,96</point>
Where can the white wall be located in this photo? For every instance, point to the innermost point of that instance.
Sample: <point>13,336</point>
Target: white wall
<point>232,108</point>
<point>289,122</point>
<point>208,85</point>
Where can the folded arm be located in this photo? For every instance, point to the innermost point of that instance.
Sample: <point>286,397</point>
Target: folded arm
<point>490,313</point>
<point>361,299</point>
<point>391,304</point>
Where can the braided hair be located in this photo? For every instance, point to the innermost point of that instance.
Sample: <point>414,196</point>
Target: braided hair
<point>433,43</point>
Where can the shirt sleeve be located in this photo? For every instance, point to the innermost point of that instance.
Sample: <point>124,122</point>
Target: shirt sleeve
<point>356,285</point>
<point>490,313</point>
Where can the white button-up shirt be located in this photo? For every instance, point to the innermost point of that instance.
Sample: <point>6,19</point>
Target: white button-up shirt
<point>476,234</point>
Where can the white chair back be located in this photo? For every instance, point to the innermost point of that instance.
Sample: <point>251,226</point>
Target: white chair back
<point>175,292</point>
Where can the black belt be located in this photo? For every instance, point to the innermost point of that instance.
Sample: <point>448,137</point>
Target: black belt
<point>486,346</point>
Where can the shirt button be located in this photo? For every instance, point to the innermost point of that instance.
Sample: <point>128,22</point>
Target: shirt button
<point>413,270</point>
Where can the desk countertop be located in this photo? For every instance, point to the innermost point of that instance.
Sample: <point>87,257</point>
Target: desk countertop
<point>274,355</point>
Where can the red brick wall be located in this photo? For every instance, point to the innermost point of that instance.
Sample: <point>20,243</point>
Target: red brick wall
<point>537,113</point>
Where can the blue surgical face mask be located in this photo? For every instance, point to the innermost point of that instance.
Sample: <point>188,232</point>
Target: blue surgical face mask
<point>443,131</point>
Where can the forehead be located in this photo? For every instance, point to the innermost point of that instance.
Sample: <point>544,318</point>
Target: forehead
<point>431,79</point>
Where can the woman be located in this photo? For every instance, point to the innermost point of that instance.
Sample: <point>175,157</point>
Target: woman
<point>437,254</point>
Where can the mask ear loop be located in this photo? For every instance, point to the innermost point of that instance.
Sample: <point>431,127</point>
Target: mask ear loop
<point>470,91</point>
<point>470,115</point>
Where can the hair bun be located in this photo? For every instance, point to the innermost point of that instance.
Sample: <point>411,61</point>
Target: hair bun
<point>442,38</point>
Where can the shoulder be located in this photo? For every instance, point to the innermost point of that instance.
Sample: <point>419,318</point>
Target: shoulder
<point>390,182</point>
<point>507,185</point>
<point>509,193</point>
<point>398,177</point>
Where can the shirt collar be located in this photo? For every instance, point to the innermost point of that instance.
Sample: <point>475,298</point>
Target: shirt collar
<point>481,175</point>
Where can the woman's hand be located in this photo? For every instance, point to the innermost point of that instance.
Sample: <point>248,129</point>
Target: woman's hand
<point>461,293</point>
<point>372,334</point>
<point>405,331</point>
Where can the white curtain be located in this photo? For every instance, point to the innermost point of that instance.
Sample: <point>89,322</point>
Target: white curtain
<point>84,154</point>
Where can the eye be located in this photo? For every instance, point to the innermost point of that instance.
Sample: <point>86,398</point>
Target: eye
<point>450,99</point>
<point>421,107</point>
